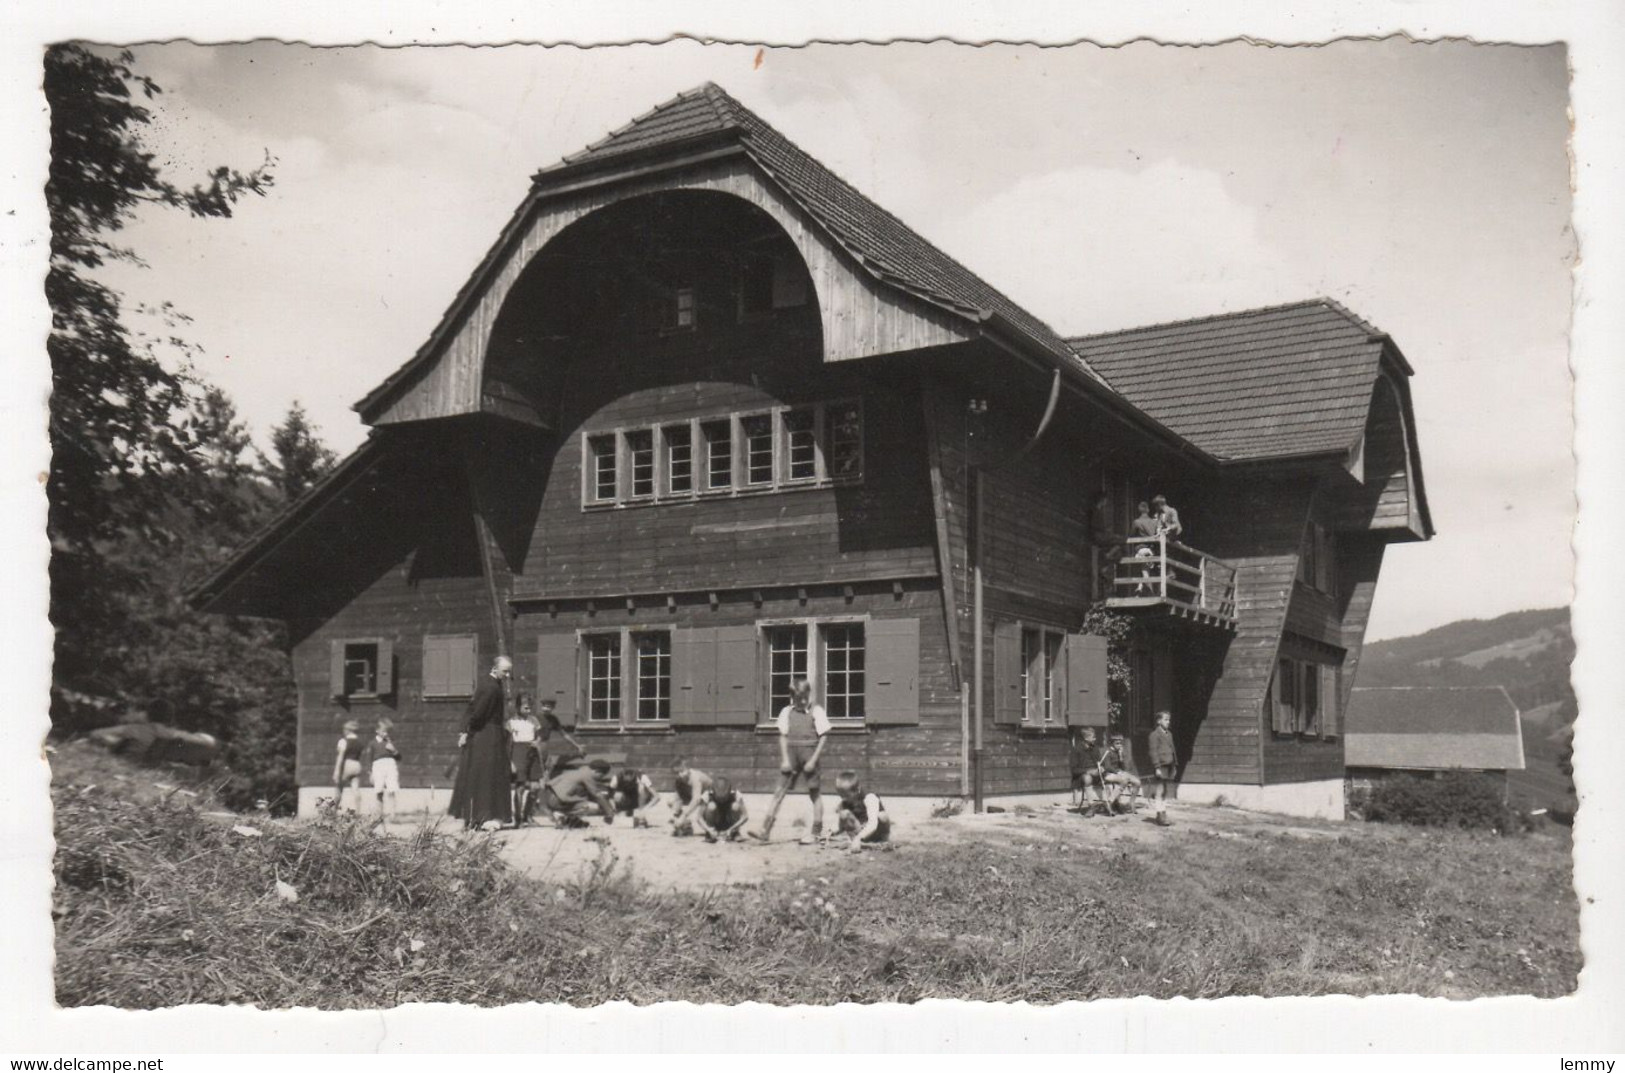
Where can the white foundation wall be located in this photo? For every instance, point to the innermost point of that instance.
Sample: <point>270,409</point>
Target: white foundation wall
<point>1322,800</point>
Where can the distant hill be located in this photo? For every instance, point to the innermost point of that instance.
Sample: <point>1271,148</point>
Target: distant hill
<point>1526,652</point>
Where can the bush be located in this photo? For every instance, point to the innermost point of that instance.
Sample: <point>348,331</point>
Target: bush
<point>1457,800</point>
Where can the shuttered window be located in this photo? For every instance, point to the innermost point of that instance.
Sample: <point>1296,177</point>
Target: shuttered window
<point>1086,685</point>
<point>361,667</point>
<point>449,665</point>
<point>1304,699</point>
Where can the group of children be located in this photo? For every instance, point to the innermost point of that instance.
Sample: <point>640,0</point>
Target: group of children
<point>378,757</point>
<point>1109,773</point>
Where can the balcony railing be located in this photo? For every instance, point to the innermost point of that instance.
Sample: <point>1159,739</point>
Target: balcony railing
<point>1159,572</point>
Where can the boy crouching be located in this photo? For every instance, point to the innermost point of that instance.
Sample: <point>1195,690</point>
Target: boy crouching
<point>634,795</point>
<point>577,792</point>
<point>861,816</point>
<point>722,812</point>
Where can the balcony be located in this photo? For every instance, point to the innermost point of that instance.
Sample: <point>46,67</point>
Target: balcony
<point>1163,575</point>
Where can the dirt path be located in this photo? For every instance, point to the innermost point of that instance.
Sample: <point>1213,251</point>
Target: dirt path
<point>691,863</point>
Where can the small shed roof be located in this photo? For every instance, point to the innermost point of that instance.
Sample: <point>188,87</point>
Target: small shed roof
<point>1433,728</point>
<point>1264,383</point>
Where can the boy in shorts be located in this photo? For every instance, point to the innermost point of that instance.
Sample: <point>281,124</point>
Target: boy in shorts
<point>575,794</point>
<point>1083,759</point>
<point>803,729</point>
<point>524,760</point>
<point>1164,763</point>
<point>691,785</point>
<point>722,811</point>
<point>385,768</point>
<point>860,816</point>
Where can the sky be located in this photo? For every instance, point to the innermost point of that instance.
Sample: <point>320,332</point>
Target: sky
<point>1426,186</point>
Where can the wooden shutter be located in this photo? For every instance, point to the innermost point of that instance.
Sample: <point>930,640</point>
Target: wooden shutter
<point>436,667</point>
<point>1331,701</point>
<point>557,673</point>
<point>694,677</point>
<point>462,666</point>
<point>1088,701</point>
<point>891,672</point>
<point>1007,673</point>
<point>737,695</point>
<point>384,680</point>
<point>335,668</point>
<point>1284,691</point>
<point>1309,690</point>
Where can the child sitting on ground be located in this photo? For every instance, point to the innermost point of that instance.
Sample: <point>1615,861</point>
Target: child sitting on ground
<point>722,812</point>
<point>634,795</point>
<point>691,785</point>
<point>860,816</point>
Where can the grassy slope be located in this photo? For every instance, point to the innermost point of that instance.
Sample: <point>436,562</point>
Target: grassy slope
<point>159,904</point>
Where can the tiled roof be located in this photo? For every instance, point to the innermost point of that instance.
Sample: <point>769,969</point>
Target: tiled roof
<point>885,246</point>
<point>1432,727</point>
<point>1288,380</point>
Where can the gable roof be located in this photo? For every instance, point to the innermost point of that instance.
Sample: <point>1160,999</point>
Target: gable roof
<point>885,246</point>
<point>1433,728</point>
<point>1263,383</point>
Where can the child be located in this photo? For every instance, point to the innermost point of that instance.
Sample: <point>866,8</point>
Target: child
<point>524,759</point>
<point>1164,761</point>
<point>1084,760</point>
<point>803,729</point>
<point>385,768</point>
<point>722,811</point>
<point>691,785</point>
<point>555,754</point>
<point>634,794</point>
<point>861,816</point>
<point>347,763</point>
<point>1115,773</point>
<point>575,793</point>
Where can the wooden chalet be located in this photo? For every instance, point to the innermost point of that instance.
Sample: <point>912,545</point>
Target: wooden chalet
<point>706,418</point>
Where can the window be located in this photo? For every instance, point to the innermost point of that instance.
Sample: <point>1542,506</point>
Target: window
<point>838,652</point>
<point>788,446</point>
<point>683,308</point>
<point>1317,563</point>
<point>640,457</point>
<point>757,431</point>
<point>801,444</point>
<point>654,676</point>
<point>786,661</point>
<point>604,678</point>
<point>679,443</point>
<point>629,677</point>
<point>1040,654</point>
<point>843,670</point>
<point>1304,696</point>
<point>601,455</point>
<point>360,668</point>
<point>768,282</point>
<point>718,454</point>
<point>843,440</point>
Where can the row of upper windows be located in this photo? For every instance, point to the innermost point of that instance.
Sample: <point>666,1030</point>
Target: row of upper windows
<point>789,446</point>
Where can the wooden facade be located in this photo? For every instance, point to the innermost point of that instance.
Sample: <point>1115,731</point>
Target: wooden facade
<point>685,432</point>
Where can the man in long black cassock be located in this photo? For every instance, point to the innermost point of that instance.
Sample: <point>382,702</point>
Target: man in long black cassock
<point>480,797</point>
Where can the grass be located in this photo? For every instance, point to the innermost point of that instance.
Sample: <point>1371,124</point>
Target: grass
<point>160,903</point>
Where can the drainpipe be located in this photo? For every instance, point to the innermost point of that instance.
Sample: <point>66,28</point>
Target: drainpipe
<point>977,659</point>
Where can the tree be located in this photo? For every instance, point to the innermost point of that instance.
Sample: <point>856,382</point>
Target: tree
<point>117,415</point>
<point>301,459</point>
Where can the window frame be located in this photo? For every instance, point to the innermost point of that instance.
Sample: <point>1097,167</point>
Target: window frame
<point>629,679</point>
<point>817,665</point>
<point>1326,694</point>
<point>372,679</point>
<point>1317,559</point>
<point>620,454</point>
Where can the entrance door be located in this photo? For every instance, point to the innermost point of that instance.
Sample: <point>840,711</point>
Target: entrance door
<point>1151,690</point>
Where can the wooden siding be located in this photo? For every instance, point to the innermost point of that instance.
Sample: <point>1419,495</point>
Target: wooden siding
<point>921,760</point>
<point>858,318</point>
<point>879,528</point>
<point>1387,500</point>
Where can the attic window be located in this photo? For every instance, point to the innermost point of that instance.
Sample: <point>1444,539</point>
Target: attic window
<point>768,282</point>
<point>682,309</point>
